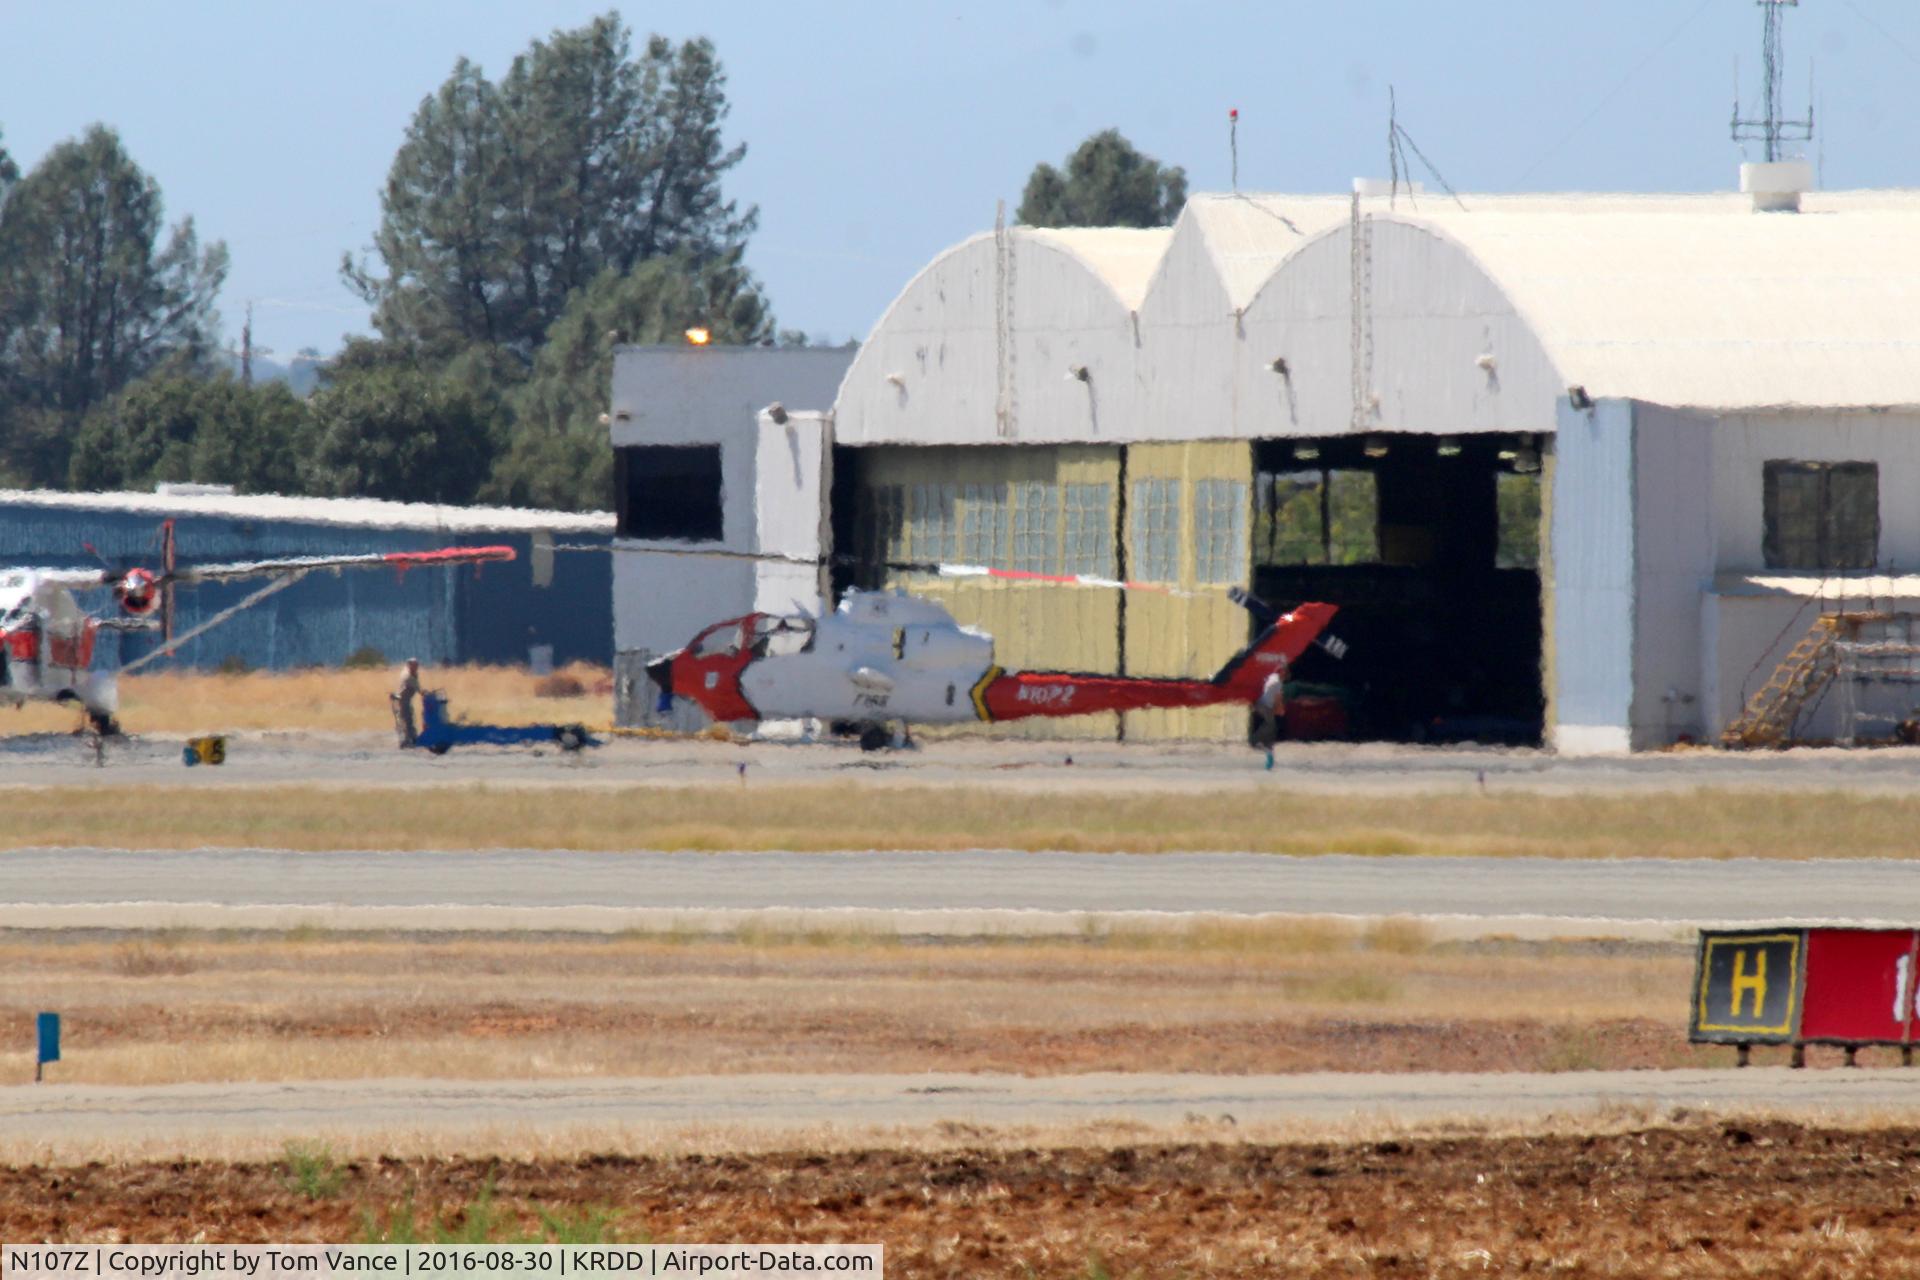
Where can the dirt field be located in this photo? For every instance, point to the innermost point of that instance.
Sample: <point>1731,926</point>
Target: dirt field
<point>331,701</point>
<point>1740,1199</point>
<point>1302,996</point>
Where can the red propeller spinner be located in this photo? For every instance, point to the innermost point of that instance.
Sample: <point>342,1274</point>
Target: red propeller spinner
<point>138,592</point>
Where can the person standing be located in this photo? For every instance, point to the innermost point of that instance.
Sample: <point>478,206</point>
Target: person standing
<point>1268,708</point>
<point>404,697</point>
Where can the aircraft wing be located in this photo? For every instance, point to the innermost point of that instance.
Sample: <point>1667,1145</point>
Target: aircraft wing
<point>401,560</point>
<point>73,579</point>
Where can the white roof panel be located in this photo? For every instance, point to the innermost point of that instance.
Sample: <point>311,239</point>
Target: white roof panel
<point>370,513</point>
<point>1851,591</point>
<point>1686,300</point>
<point>1249,236</point>
<point>1123,257</point>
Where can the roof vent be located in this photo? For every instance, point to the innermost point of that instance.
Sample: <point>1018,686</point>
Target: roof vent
<point>1776,185</point>
<point>186,489</point>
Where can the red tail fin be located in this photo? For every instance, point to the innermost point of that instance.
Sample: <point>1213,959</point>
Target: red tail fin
<point>1286,640</point>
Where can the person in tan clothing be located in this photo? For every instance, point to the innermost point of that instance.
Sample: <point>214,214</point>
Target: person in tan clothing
<point>405,697</point>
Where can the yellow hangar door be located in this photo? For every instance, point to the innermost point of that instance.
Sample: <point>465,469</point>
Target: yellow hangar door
<point>1188,522</point>
<point>1034,508</point>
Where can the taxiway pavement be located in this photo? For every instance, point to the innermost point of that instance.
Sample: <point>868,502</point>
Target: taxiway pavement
<point>951,893</point>
<point>747,1107</point>
<point>370,761</point>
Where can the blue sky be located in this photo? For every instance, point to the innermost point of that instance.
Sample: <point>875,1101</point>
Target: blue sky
<point>879,133</point>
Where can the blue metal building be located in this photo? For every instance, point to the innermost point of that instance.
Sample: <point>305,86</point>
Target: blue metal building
<point>494,613</point>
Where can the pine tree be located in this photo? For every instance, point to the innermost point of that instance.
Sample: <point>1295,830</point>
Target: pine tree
<point>1107,183</point>
<point>505,199</point>
<point>90,297</point>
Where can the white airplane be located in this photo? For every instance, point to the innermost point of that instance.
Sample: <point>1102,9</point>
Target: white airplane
<point>880,658</point>
<point>47,639</point>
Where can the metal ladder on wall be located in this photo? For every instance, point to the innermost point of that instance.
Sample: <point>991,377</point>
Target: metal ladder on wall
<point>1807,669</point>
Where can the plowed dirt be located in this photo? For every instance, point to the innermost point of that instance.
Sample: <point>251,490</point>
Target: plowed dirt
<point>1727,1199</point>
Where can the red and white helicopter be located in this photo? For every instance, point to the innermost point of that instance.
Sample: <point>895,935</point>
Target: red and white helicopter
<point>883,657</point>
<point>47,639</point>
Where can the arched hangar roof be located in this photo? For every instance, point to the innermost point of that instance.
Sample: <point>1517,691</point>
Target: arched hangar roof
<point>1688,300</point>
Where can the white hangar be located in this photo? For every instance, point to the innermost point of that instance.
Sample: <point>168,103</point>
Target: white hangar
<point>1579,469</point>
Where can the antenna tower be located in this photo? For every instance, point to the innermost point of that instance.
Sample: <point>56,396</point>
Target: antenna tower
<point>1771,128</point>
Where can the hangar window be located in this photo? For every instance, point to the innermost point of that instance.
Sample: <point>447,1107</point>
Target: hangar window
<point>669,492</point>
<point>882,533</point>
<point>1821,515</point>
<point>1156,529</point>
<point>1317,517</point>
<point>1517,502</point>
<point>1089,529</point>
<point>933,522</point>
<point>1036,528</point>
<point>1219,530</point>
<point>983,524</point>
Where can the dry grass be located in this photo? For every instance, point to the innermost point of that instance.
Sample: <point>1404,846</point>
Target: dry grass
<point>1301,996</point>
<point>819,816</point>
<point>324,700</point>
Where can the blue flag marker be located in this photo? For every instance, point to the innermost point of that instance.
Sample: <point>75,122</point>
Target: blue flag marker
<point>49,1028</point>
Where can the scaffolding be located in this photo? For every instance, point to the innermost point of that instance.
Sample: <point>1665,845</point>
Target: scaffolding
<point>1883,650</point>
<point>1858,651</point>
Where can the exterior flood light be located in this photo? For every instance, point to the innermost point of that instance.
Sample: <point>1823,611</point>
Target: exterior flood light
<point>1449,447</point>
<point>1376,447</point>
<point>1279,365</point>
<point>698,336</point>
<point>1079,373</point>
<point>1306,452</point>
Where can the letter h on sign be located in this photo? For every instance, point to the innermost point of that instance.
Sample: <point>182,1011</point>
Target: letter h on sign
<point>1747,987</point>
<point>1749,984</point>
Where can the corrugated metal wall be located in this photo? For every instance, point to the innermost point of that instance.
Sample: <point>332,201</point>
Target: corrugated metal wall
<point>939,504</point>
<point>1033,625</point>
<point>1188,635</point>
<point>438,615</point>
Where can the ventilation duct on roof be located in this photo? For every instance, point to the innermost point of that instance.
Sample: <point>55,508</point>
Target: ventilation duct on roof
<point>1368,188</point>
<point>1776,185</point>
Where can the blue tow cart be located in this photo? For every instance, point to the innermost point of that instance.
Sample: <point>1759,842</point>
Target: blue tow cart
<point>439,734</point>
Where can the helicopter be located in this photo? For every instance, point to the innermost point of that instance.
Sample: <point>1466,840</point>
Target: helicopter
<point>882,657</point>
<point>47,639</point>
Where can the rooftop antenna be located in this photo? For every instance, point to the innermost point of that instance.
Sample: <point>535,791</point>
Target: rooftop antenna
<point>1233,143</point>
<point>1399,142</point>
<point>1770,128</point>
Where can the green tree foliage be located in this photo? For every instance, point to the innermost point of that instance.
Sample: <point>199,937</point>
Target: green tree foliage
<point>178,426</point>
<point>1107,183</point>
<point>505,199</point>
<point>9,171</point>
<point>384,427</point>
<point>558,456</point>
<point>91,297</point>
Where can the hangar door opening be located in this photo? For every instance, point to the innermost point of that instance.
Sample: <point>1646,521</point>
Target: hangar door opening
<point>1430,545</point>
